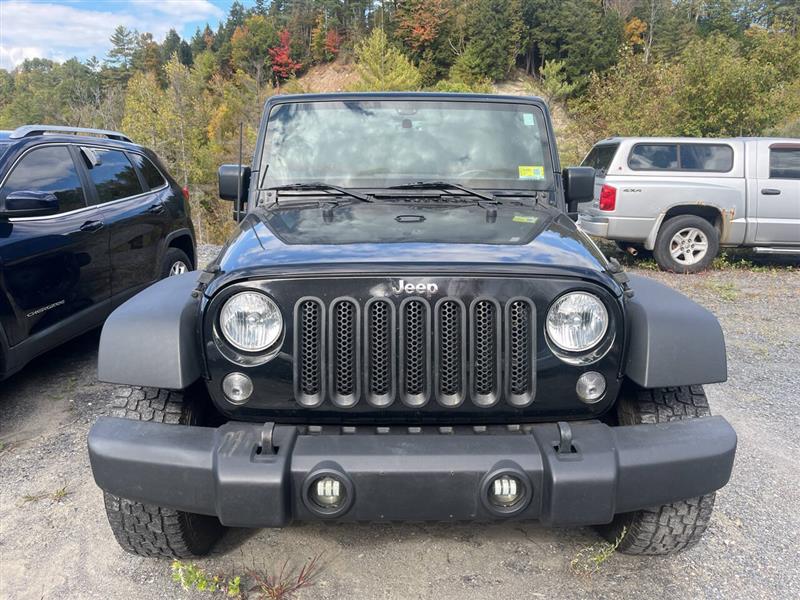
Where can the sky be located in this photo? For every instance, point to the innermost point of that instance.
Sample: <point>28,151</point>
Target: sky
<point>59,30</point>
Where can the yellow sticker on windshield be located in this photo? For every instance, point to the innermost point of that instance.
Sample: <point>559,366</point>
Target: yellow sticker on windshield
<point>524,219</point>
<point>531,172</point>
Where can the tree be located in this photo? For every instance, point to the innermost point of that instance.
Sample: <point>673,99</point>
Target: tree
<point>555,86</point>
<point>250,47</point>
<point>382,67</point>
<point>283,66</point>
<point>123,42</point>
<point>493,29</point>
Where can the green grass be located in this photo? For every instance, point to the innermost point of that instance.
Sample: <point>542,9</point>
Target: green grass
<point>589,560</point>
<point>724,290</point>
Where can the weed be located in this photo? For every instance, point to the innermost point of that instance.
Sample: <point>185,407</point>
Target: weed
<point>56,497</point>
<point>33,497</point>
<point>192,577</point>
<point>283,585</point>
<point>726,291</point>
<point>60,494</point>
<point>588,560</point>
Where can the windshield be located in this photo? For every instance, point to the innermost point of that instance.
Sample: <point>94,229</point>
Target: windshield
<point>379,143</point>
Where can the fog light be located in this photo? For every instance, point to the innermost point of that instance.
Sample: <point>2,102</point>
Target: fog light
<point>590,387</point>
<point>505,491</point>
<point>328,493</point>
<point>237,387</point>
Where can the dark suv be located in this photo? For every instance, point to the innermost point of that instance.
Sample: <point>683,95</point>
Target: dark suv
<point>87,219</point>
<point>408,325</point>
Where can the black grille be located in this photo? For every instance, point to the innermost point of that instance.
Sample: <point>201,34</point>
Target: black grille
<point>520,351</point>
<point>344,363</point>
<point>450,357</point>
<point>380,353</point>
<point>309,347</point>
<point>485,356</point>
<point>415,352</point>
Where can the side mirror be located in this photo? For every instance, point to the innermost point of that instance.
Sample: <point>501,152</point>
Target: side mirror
<point>234,181</point>
<point>578,187</point>
<point>27,203</point>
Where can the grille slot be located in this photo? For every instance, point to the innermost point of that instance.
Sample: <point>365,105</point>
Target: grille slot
<point>309,350</point>
<point>380,352</point>
<point>345,333</point>
<point>450,363</point>
<point>415,352</point>
<point>520,351</point>
<point>485,352</point>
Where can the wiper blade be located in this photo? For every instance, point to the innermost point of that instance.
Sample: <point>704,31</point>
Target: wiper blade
<point>320,186</point>
<point>443,185</point>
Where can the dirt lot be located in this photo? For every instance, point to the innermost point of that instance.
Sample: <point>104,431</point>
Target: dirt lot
<point>55,542</point>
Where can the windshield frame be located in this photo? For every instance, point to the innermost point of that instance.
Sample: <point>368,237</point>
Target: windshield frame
<point>550,155</point>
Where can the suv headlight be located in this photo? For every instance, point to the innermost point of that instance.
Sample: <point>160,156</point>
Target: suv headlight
<point>577,321</point>
<point>250,321</point>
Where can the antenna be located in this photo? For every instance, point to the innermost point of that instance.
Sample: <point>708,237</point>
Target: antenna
<point>239,175</point>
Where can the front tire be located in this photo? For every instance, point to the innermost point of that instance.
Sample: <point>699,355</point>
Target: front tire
<point>670,527</point>
<point>686,244</point>
<point>147,529</point>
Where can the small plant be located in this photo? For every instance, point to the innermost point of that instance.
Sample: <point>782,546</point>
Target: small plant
<point>192,577</point>
<point>60,494</point>
<point>589,560</point>
<point>284,585</point>
<point>726,291</point>
<point>33,497</point>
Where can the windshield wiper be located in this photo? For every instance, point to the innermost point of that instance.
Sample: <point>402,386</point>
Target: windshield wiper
<point>320,186</point>
<point>443,185</point>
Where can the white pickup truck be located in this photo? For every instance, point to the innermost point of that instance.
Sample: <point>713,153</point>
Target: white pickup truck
<point>684,198</point>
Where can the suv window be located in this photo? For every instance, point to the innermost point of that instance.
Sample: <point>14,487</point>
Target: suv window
<point>706,157</point>
<point>151,174</point>
<point>48,169</point>
<point>112,173</point>
<point>600,157</point>
<point>654,156</point>
<point>784,163</point>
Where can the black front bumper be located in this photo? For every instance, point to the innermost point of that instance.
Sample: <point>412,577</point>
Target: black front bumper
<point>252,475</point>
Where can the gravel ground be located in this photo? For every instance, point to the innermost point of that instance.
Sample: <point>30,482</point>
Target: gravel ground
<point>55,542</point>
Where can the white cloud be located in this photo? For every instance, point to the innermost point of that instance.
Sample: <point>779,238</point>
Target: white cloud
<point>50,30</point>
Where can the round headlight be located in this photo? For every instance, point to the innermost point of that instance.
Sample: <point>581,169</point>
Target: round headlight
<point>250,321</point>
<point>577,322</point>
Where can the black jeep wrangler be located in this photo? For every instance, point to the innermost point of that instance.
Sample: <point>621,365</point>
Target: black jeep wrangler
<point>409,326</point>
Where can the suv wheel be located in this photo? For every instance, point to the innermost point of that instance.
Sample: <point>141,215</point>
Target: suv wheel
<point>670,527</point>
<point>686,244</point>
<point>175,263</point>
<point>147,529</point>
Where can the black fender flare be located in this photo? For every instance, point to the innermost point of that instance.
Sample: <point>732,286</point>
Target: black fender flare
<point>151,340</point>
<point>672,340</point>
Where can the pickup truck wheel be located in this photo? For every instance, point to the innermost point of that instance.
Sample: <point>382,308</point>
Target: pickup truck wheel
<point>146,529</point>
<point>670,527</point>
<point>175,263</point>
<point>686,244</point>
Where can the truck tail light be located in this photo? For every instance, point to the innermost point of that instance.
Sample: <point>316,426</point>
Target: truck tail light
<point>185,191</point>
<point>608,197</point>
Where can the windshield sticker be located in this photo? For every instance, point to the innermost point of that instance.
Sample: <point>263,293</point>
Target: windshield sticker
<point>527,119</point>
<point>524,219</point>
<point>531,172</point>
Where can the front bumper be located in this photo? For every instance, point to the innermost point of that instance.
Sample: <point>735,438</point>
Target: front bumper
<point>252,475</point>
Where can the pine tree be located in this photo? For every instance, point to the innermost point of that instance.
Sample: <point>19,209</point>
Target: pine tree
<point>123,42</point>
<point>383,67</point>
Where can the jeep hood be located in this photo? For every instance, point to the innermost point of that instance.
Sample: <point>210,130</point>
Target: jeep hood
<point>354,237</point>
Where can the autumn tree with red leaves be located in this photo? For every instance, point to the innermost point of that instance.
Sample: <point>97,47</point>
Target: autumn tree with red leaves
<point>283,65</point>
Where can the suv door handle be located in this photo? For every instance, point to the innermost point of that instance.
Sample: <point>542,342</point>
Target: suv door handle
<point>771,192</point>
<point>92,226</point>
<point>156,209</point>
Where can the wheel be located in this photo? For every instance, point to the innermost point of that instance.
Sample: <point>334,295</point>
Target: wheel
<point>677,525</point>
<point>686,244</point>
<point>147,529</point>
<point>175,263</point>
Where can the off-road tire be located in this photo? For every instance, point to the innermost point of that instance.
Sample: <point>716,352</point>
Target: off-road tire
<point>661,250</point>
<point>174,256</point>
<point>147,529</point>
<point>677,525</point>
